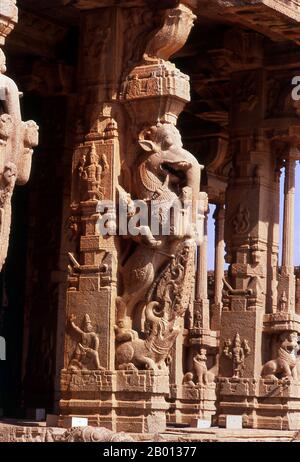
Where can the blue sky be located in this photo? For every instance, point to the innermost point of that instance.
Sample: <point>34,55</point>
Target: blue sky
<point>211,226</point>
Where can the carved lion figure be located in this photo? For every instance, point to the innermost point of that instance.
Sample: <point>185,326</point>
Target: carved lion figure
<point>284,366</point>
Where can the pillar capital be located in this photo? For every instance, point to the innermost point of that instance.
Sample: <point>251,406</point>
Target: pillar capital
<point>8,18</point>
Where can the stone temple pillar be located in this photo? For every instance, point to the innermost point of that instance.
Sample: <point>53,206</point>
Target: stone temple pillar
<point>250,245</point>
<point>17,138</point>
<point>287,280</point>
<point>201,304</point>
<point>122,319</point>
<point>219,217</point>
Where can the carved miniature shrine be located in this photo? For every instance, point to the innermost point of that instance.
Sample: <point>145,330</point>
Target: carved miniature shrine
<point>161,104</point>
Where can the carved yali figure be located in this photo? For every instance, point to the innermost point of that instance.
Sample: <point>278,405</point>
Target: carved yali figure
<point>167,303</point>
<point>86,354</point>
<point>157,275</point>
<point>284,366</point>
<point>17,139</point>
<point>201,375</point>
<point>164,176</point>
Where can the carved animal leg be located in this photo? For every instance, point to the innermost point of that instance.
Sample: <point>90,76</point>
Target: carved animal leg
<point>95,357</point>
<point>149,363</point>
<point>162,366</point>
<point>286,370</point>
<point>295,373</point>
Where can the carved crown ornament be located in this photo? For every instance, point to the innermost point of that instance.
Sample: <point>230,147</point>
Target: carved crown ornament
<point>8,18</point>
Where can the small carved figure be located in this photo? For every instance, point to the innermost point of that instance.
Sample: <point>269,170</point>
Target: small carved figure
<point>283,302</point>
<point>200,367</point>
<point>188,379</point>
<point>200,375</point>
<point>240,221</point>
<point>284,366</point>
<point>237,351</point>
<point>86,354</point>
<point>91,169</point>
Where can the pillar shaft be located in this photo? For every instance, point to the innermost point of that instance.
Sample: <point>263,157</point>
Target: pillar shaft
<point>201,274</point>
<point>289,216</point>
<point>219,217</point>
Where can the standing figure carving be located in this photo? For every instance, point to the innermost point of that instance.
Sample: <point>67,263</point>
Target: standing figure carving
<point>237,351</point>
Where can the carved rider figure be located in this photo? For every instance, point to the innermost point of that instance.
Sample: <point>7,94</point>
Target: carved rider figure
<point>86,354</point>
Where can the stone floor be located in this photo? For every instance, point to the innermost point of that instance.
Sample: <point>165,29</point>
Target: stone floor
<point>25,430</point>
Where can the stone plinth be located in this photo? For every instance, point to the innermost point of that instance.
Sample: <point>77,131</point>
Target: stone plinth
<point>267,404</point>
<point>106,398</point>
<point>188,403</point>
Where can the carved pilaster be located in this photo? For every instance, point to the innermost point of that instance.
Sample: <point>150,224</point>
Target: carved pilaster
<point>219,217</point>
<point>17,138</point>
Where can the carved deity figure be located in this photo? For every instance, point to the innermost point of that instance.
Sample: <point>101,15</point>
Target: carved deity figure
<point>284,366</point>
<point>86,354</point>
<point>237,351</point>
<point>91,169</point>
<point>17,139</point>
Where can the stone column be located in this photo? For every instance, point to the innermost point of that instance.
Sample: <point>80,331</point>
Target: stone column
<point>201,304</point>
<point>130,96</point>
<point>17,138</point>
<point>219,217</point>
<point>250,244</point>
<point>287,281</point>
<point>289,215</point>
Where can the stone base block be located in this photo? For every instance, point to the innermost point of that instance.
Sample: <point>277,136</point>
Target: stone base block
<point>130,401</point>
<point>265,404</point>
<point>190,403</point>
